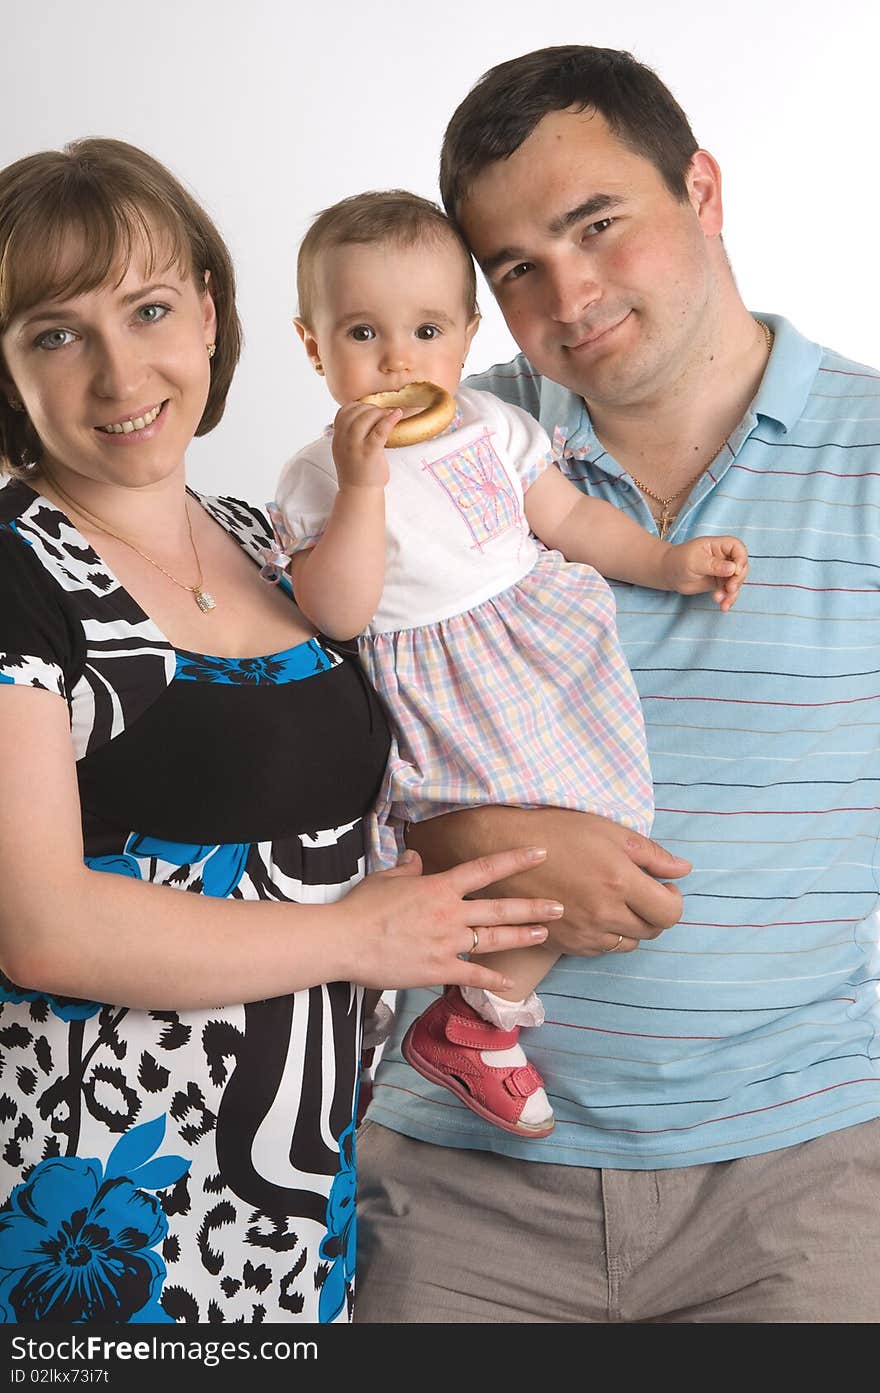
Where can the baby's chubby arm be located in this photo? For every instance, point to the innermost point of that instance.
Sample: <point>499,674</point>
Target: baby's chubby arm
<point>338,582</point>
<point>592,531</point>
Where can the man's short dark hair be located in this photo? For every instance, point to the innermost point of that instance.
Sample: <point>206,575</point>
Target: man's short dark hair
<point>507,103</point>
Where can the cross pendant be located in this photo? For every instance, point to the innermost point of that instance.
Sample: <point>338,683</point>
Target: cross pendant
<point>664,521</point>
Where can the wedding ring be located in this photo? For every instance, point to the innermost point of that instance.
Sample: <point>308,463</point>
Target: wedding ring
<point>476,942</point>
<point>616,946</point>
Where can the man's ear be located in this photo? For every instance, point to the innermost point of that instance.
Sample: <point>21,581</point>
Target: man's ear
<point>703,181</point>
<point>310,344</point>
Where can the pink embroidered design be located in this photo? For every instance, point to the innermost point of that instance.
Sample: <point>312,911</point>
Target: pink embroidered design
<point>476,483</point>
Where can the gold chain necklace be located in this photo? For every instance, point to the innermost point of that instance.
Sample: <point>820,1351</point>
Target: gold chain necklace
<point>667,517</point>
<point>203,598</point>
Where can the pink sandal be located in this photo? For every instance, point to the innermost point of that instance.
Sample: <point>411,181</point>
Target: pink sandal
<point>445,1043</point>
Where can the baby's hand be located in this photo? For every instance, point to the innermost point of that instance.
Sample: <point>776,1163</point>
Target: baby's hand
<point>359,435</point>
<point>719,564</point>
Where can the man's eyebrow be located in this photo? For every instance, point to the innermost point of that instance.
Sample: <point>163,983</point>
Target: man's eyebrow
<point>502,257</point>
<point>597,205</point>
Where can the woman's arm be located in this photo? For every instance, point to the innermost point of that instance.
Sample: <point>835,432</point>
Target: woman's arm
<point>71,931</point>
<point>338,582</point>
<point>592,531</point>
<point>611,880</point>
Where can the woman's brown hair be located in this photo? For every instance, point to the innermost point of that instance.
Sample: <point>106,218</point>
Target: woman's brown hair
<point>112,199</point>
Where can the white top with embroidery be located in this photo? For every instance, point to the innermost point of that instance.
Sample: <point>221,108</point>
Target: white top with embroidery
<point>476,473</point>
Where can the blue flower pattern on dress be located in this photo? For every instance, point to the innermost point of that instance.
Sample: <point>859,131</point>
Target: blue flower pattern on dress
<point>77,1239</point>
<point>83,1236</point>
<point>339,1247</point>
<point>220,867</point>
<point>293,665</point>
<point>67,1008</point>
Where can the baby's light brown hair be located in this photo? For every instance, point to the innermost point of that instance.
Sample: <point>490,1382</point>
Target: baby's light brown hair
<point>383,215</point>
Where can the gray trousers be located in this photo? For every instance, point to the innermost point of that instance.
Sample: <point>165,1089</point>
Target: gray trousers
<point>467,1236</point>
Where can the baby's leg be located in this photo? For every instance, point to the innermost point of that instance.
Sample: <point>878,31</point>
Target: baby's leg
<point>518,1005</point>
<point>526,966</point>
<point>468,1041</point>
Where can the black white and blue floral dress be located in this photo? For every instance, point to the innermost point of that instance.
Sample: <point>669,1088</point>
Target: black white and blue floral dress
<point>183,1165</point>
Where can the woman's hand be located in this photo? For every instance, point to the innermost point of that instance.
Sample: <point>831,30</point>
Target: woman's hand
<point>408,930</point>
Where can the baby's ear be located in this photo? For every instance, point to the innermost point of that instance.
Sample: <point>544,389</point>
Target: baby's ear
<point>310,344</point>
<point>469,333</point>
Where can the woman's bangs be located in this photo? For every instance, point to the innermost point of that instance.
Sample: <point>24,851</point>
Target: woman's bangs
<point>59,253</point>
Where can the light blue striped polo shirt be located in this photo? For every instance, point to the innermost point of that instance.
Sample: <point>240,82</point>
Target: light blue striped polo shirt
<point>755,1022</point>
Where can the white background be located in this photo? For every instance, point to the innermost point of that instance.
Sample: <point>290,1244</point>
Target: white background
<point>271,109</point>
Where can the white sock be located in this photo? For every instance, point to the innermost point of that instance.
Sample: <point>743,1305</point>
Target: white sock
<point>497,1010</point>
<point>506,1014</point>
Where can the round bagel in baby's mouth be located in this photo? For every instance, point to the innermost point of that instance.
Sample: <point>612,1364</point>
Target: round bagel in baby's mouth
<point>434,409</point>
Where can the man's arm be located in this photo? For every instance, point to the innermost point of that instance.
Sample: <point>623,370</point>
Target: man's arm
<point>610,879</point>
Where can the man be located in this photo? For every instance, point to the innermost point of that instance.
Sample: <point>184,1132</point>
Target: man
<point>715,1073</point>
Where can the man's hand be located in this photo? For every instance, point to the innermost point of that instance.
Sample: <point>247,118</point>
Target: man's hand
<point>719,564</point>
<point>611,880</point>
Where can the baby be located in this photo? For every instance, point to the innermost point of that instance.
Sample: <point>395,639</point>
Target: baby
<point>497,658</point>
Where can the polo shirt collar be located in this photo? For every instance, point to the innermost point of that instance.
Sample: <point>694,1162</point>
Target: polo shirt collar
<point>789,376</point>
<point>787,382</point>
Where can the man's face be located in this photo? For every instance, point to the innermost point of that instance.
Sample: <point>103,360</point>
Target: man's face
<point>606,280</point>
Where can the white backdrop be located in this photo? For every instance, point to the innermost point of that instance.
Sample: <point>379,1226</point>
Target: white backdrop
<point>270,109</point>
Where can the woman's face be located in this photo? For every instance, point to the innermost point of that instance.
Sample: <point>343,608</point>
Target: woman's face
<point>115,380</point>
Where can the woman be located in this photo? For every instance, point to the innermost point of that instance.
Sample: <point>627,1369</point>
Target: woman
<point>186,1153</point>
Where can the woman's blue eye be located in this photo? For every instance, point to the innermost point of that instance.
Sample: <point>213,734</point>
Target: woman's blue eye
<point>362,333</point>
<point>56,338</point>
<point>151,314</point>
<point>428,332</point>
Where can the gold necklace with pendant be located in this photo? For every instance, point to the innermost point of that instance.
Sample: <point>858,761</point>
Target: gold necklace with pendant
<point>203,598</point>
<point>667,517</point>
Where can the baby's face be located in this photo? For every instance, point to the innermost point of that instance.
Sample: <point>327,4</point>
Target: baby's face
<point>387,315</point>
